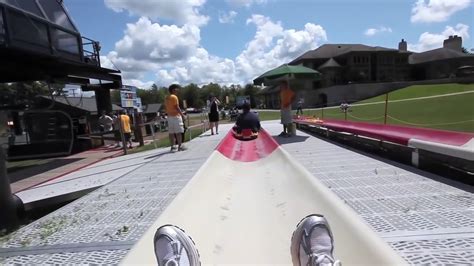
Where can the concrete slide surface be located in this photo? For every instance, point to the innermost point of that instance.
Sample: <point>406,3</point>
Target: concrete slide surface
<point>244,211</point>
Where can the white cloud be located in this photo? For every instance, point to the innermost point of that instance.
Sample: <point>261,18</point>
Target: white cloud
<point>436,10</point>
<point>174,53</point>
<point>372,31</point>
<point>272,45</point>
<point>138,83</point>
<point>182,11</point>
<point>428,41</point>
<point>227,17</point>
<point>157,43</point>
<point>246,3</point>
<point>202,68</point>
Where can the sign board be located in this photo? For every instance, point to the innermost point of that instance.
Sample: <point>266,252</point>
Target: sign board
<point>128,95</point>
<point>185,104</point>
<point>138,104</point>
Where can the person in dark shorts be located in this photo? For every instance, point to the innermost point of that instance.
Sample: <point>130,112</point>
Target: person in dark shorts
<point>214,114</point>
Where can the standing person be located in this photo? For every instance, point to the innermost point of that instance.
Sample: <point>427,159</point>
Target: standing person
<point>105,122</point>
<point>286,98</point>
<point>214,114</point>
<point>127,129</point>
<point>117,135</point>
<point>175,118</point>
<point>299,106</point>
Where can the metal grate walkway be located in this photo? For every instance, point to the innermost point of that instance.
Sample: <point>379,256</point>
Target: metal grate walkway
<point>426,221</point>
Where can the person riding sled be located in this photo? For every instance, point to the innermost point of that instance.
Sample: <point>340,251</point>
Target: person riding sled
<point>248,124</point>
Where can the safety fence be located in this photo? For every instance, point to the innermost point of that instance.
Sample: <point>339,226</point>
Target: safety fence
<point>451,111</point>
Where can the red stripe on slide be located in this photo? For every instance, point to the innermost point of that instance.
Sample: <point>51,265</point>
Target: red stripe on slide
<point>247,151</point>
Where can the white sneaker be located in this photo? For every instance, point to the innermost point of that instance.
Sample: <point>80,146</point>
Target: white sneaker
<point>173,148</point>
<point>173,247</point>
<point>312,242</point>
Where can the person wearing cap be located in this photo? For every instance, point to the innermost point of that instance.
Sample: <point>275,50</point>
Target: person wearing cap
<point>175,118</point>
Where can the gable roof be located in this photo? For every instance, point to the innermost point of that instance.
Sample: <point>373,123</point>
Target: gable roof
<point>436,54</point>
<point>330,63</point>
<point>334,50</point>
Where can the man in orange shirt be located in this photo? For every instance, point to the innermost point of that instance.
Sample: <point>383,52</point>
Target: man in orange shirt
<point>286,98</point>
<point>175,118</point>
<point>127,130</point>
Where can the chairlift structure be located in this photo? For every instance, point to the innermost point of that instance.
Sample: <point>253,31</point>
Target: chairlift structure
<point>39,41</point>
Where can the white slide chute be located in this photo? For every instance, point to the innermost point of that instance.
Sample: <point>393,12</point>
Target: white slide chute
<point>245,211</point>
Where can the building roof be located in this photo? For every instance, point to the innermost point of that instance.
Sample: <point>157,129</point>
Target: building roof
<point>334,50</point>
<point>436,54</point>
<point>330,63</point>
<point>152,108</point>
<point>88,104</point>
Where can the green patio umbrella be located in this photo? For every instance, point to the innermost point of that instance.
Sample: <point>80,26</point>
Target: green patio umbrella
<point>286,72</point>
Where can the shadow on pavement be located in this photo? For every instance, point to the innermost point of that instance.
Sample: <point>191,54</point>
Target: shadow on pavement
<point>18,173</point>
<point>157,155</point>
<point>286,140</point>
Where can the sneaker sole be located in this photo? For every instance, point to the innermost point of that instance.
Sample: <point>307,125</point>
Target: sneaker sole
<point>298,233</point>
<point>193,252</point>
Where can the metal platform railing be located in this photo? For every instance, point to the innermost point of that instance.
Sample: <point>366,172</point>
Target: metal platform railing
<point>90,51</point>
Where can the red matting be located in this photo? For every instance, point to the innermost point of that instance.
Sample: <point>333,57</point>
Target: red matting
<point>393,133</point>
<point>249,150</point>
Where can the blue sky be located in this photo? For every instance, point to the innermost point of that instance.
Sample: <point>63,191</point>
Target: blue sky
<point>232,41</point>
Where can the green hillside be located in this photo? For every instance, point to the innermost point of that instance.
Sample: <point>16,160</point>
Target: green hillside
<point>450,112</point>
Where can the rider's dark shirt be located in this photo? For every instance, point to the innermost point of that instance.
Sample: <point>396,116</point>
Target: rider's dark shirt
<point>248,120</point>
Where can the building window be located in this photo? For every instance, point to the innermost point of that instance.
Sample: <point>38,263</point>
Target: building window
<point>316,84</point>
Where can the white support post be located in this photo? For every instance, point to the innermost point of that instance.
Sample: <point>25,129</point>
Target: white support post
<point>415,158</point>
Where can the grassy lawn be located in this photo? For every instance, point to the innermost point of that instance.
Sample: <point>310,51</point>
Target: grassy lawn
<point>165,142</point>
<point>423,91</point>
<point>269,115</point>
<point>455,112</point>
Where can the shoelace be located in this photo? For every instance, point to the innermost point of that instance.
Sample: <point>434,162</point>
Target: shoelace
<point>322,259</point>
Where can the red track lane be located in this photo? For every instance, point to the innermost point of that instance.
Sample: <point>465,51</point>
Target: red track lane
<point>396,134</point>
<point>247,151</point>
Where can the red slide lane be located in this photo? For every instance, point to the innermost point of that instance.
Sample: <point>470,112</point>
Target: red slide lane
<point>393,133</point>
<point>247,151</point>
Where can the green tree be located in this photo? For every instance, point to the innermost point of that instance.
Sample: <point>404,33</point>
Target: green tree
<point>252,90</point>
<point>24,93</point>
<point>210,89</point>
<point>190,93</point>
